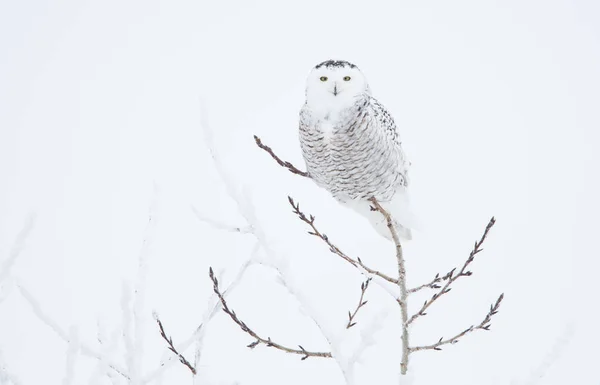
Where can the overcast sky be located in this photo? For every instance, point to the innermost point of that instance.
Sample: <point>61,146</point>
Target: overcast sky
<point>497,106</point>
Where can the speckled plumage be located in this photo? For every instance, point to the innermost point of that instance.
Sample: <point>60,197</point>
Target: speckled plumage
<point>351,145</point>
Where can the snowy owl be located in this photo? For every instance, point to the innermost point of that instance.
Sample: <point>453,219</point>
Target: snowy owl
<point>351,146</point>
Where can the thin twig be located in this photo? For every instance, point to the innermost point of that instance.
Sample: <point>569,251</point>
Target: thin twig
<point>433,284</point>
<point>484,325</point>
<point>282,163</point>
<point>17,248</point>
<point>310,220</point>
<point>220,225</point>
<point>363,288</point>
<point>172,348</point>
<point>402,301</point>
<point>259,340</point>
<point>211,310</point>
<point>450,277</point>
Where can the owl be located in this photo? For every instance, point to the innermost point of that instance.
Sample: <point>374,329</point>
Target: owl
<point>351,146</point>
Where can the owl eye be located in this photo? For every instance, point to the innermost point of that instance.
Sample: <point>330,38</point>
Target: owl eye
<point>346,78</point>
<point>323,78</point>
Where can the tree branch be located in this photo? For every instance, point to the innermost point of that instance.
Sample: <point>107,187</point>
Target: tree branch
<point>172,348</point>
<point>291,168</point>
<point>333,248</point>
<point>259,340</point>
<point>433,284</point>
<point>450,277</point>
<point>484,325</point>
<point>402,301</point>
<point>363,288</point>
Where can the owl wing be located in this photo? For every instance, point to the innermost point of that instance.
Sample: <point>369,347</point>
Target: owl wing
<point>386,123</point>
<point>305,136</point>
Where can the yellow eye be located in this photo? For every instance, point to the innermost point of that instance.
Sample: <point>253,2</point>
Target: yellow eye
<point>323,78</point>
<point>346,78</point>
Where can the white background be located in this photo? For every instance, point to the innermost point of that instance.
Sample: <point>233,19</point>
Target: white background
<point>497,105</point>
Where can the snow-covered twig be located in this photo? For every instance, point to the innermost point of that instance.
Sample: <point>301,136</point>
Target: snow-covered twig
<point>6,377</point>
<point>363,288</point>
<point>109,346</point>
<point>135,342</point>
<point>282,163</point>
<point>402,300</point>
<point>83,348</point>
<point>451,277</point>
<point>130,356</point>
<point>484,325</point>
<point>16,249</point>
<point>220,225</point>
<point>551,357</point>
<point>72,351</point>
<point>260,340</point>
<point>172,348</point>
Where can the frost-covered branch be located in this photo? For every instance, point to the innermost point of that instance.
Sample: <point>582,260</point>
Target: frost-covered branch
<point>136,348</point>
<point>260,340</point>
<point>451,276</point>
<point>172,348</point>
<point>6,377</point>
<point>484,325</point>
<point>83,348</point>
<point>16,249</point>
<point>72,351</point>
<point>282,163</point>
<point>220,225</point>
<point>361,302</point>
<point>109,346</point>
<point>558,348</point>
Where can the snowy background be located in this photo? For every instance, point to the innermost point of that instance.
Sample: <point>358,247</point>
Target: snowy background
<point>100,116</point>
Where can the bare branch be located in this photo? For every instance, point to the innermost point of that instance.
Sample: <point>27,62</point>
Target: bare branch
<point>259,340</point>
<point>363,288</point>
<point>198,335</point>
<point>484,325</point>
<point>402,301</point>
<point>172,348</point>
<point>433,284</point>
<point>282,163</point>
<point>333,248</point>
<point>451,276</point>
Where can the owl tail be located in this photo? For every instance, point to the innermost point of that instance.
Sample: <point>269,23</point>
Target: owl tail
<point>382,229</point>
<point>398,208</point>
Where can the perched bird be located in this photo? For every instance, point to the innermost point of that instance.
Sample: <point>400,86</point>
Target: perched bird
<point>352,148</point>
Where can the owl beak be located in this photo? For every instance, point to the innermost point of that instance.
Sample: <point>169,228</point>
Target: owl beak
<point>335,90</point>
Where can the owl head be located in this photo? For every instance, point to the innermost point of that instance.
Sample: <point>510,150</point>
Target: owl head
<point>335,83</point>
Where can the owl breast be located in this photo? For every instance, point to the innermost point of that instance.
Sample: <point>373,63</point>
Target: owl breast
<point>351,154</point>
